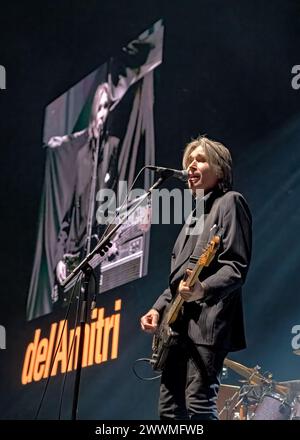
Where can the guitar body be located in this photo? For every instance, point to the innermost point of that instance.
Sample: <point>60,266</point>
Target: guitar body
<point>62,295</point>
<point>165,338</point>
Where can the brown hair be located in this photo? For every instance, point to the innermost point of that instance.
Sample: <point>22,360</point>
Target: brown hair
<point>218,156</point>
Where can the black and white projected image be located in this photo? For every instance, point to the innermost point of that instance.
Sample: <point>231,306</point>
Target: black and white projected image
<point>96,135</point>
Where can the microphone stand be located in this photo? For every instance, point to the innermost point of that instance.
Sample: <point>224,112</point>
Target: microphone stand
<point>95,151</point>
<point>83,297</point>
<point>86,269</point>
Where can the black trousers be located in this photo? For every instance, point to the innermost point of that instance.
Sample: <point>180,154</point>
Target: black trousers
<point>190,382</point>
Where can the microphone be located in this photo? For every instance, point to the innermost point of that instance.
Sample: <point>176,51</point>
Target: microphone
<point>169,172</point>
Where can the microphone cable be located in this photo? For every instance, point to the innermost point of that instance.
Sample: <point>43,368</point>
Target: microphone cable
<point>56,351</point>
<point>141,377</point>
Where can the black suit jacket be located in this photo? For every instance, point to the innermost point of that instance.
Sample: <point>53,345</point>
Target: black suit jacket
<point>217,320</point>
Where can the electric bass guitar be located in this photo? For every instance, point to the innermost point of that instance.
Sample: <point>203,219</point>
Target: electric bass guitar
<point>166,336</point>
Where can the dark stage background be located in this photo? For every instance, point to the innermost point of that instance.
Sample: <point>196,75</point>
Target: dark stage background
<point>226,72</point>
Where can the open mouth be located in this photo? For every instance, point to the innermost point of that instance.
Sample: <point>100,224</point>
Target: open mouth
<point>194,179</point>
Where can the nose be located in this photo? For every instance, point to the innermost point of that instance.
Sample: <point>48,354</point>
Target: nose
<point>192,165</point>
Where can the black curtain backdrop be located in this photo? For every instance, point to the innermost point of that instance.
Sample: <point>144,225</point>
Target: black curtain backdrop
<point>226,72</point>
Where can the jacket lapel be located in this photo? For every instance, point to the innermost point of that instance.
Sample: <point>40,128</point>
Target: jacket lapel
<point>185,244</point>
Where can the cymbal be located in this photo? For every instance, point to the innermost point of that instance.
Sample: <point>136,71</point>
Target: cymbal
<point>249,373</point>
<point>253,376</point>
<point>293,387</point>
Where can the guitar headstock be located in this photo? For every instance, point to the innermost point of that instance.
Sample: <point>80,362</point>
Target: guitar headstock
<point>210,251</point>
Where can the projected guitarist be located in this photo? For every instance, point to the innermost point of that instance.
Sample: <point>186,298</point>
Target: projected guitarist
<point>210,319</point>
<point>96,167</point>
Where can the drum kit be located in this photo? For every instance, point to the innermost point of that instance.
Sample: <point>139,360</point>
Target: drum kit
<point>259,397</point>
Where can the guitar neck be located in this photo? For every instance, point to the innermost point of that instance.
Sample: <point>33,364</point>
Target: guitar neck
<point>192,278</point>
<point>174,309</point>
<point>178,301</point>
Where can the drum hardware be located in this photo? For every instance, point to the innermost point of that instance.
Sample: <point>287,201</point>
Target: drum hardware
<point>293,387</point>
<point>247,402</point>
<point>255,377</point>
<point>296,408</point>
<point>227,407</point>
<point>242,403</point>
<point>261,398</point>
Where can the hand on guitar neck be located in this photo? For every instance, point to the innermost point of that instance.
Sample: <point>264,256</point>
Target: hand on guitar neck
<point>190,293</point>
<point>149,322</point>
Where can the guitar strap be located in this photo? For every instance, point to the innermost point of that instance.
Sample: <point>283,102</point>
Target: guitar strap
<point>209,231</point>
